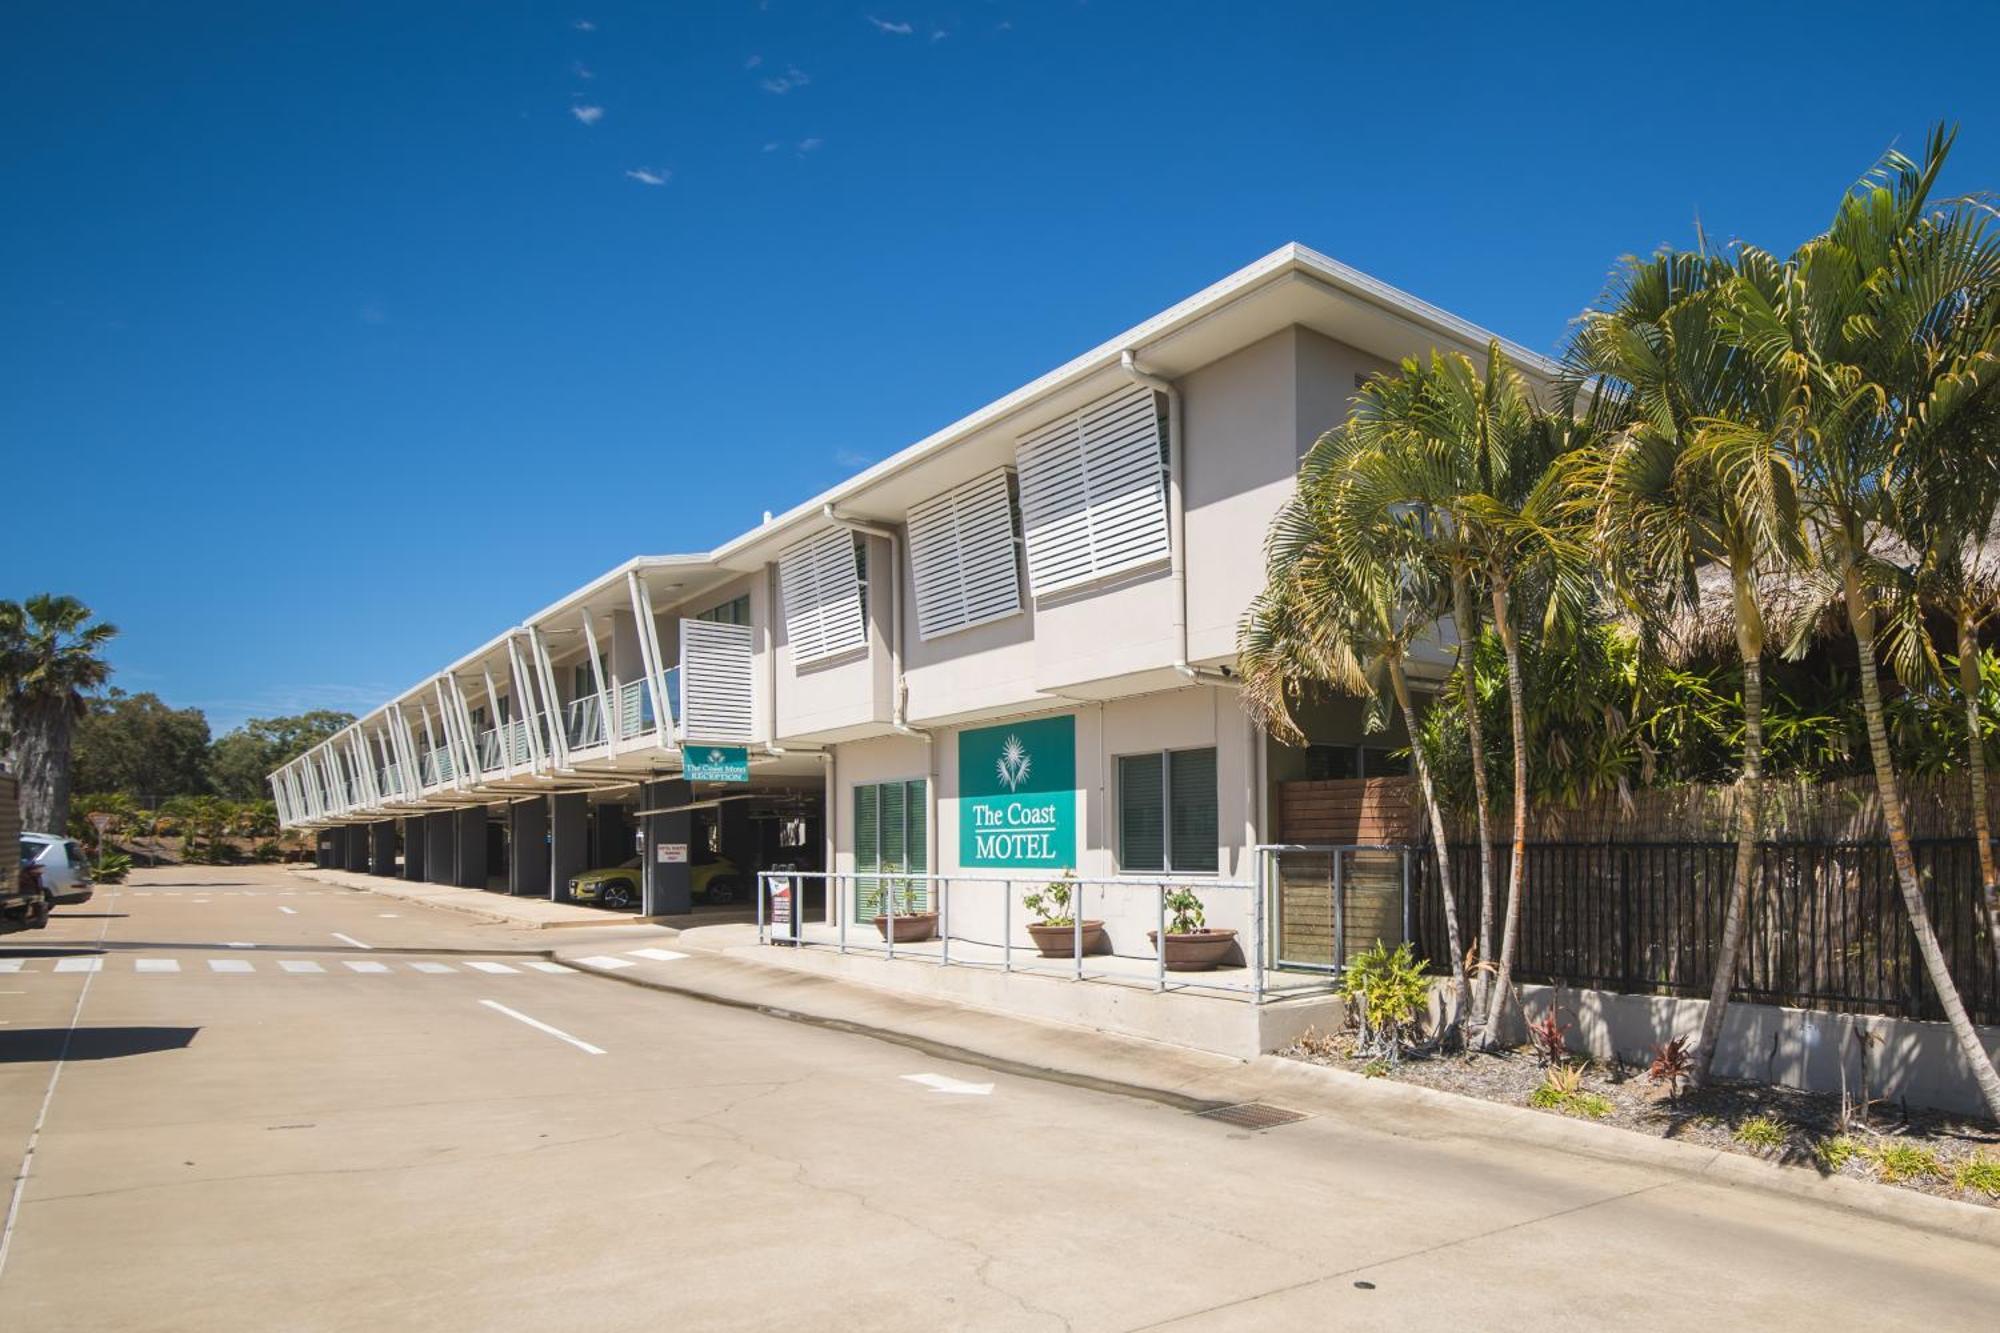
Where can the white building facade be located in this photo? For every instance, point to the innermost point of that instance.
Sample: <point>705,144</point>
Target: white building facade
<point>1007,649</point>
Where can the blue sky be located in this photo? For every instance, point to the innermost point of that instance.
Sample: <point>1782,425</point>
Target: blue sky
<point>334,339</point>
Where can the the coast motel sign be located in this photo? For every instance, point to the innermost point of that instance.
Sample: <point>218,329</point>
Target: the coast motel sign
<point>1017,795</point>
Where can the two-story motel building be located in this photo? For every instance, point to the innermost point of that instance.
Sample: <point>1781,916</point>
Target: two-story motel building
<point>1007,647</point>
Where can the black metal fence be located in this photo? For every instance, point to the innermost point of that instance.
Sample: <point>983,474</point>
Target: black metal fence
<point>1827,929</point>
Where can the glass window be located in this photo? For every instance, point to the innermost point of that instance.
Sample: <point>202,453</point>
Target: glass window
<point>1167,817</point>
<point>889,835</point>
<point>735,611</point>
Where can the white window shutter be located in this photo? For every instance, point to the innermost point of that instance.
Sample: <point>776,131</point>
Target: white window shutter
<point>1093,492</point>
<point>962,556</point>
<point>716,682</point>
<point>821,592</point>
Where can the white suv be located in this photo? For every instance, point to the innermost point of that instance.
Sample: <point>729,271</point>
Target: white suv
<point>64,869</point>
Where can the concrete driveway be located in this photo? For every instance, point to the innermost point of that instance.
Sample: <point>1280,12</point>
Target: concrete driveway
<point>264,1102</point>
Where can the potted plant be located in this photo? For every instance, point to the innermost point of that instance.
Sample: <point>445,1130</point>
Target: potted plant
<point>1191,944</point>
<point>1054,928</point>
<point>908,898</point>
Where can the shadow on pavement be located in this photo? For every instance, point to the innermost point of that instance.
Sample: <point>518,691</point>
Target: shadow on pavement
<point>32,1045</point>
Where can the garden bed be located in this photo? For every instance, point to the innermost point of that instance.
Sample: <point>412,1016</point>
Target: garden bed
<point>1949,1156</point>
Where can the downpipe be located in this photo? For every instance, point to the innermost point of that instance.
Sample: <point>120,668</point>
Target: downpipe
<point>1128,362</point>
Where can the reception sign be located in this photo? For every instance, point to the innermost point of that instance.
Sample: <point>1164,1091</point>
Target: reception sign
<point>1017,802</point>
<point>715,763</point>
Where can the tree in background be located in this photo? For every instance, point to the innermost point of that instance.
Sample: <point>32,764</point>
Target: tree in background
<point>135,743</point>
<point>51,656</point>
<point>240,761</point>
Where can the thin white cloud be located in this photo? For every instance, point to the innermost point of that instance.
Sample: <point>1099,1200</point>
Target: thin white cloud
<point>849,458</point>
<point>793,77</point>
<point>582,71</point>
<point>589,115</point>
<point>772,146</point>
<point>753,62</point>
<point>650,175</point>
<point>809,145</point>
<point>939,34</point>
<point>584,25</point>
<point>884,25</point>
<point>1004,25</point>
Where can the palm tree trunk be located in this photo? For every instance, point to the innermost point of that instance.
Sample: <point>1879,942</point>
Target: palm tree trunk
<point>1969,681</point>
<point>1749,797</point>
<point>1861,616</point>
<point>1461,991</point>
<point>41,757</point>
<point>1475,730</point>
<point>1503,1005</point>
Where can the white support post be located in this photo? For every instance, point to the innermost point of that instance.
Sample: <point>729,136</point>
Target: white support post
<point>406,746</point>
<point>524,694</point>
<point>499,724</point>
<point>430,734</point>
<point>477,770</point>
<point>551,698</point>
<point>649,648</point>
<point>597,674</point>
<point>663,707</point>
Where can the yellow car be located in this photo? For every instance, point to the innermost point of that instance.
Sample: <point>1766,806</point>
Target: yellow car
<point>717,881</point>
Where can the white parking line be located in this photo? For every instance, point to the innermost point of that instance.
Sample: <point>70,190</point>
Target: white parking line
<point>536,1023</point>
<point>657,955</point>
<point>366,966</point>
<point>606,962</point>
<point>288,911</point>
<point>79,964</point>
<point>433,967</point>
<point>157,965</point>
<point>388,916</point>
<point>481,965</point>
<point>543,965</point>
<point>230,965</point>
<point>349,939</point>
<point>239,944</point>
<point>299,965</point>
<point>11,964</point>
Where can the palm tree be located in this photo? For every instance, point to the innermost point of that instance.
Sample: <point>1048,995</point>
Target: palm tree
<point>1686,474</point>
<point>49,657</point>
<point>1885,330</point>
<point>1470,455</point>
<point>1349,592</point>
<point>1946,516</point>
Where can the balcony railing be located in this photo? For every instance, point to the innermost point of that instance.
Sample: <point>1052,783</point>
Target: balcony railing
<point>490,755</point>
<point>583,723</point>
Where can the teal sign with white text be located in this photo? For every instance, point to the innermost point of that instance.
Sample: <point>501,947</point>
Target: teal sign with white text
<point>715,763</point>
<point>1017,802</point>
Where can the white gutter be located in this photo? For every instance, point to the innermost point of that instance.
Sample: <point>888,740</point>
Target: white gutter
<point>1128,362</point>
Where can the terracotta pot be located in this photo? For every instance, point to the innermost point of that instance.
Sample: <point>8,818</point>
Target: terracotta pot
<point>1060,941</point>
<point>1196,951</point>
<point>911,928</point>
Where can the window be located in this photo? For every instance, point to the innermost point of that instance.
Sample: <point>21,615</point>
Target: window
<point>889,835</point>
<point>822,582</point>
<point>1167,816</point>
<point>962,556</point>
<point>1093,492</point>
<point>585,682</point>
<point>735,611</point>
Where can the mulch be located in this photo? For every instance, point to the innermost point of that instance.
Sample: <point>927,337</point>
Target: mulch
<point>1710,1117</point>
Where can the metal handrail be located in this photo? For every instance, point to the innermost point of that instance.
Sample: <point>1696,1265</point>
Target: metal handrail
<point>846,888</point>
<point>583,723</point>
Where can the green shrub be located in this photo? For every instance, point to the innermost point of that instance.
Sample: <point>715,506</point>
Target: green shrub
<point>1591,1104</point>
<point>267,852</point>
<point>1184,912</point>
<point>1836,1152</point>
<point>1978,1174</point>
<point>1763,1132</point>
<point>111,868</point>
<point>1546,1098</point>
<point>1050,903</point>
<point>1387,995</point>
<point>1905,1161</point>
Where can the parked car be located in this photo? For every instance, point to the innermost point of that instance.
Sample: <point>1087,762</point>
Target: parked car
<point>24,899</point>
<point>65,869</point>
<point>716,881</point>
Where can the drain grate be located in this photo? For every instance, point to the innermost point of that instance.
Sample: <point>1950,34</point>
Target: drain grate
<point>1253,1115</point>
